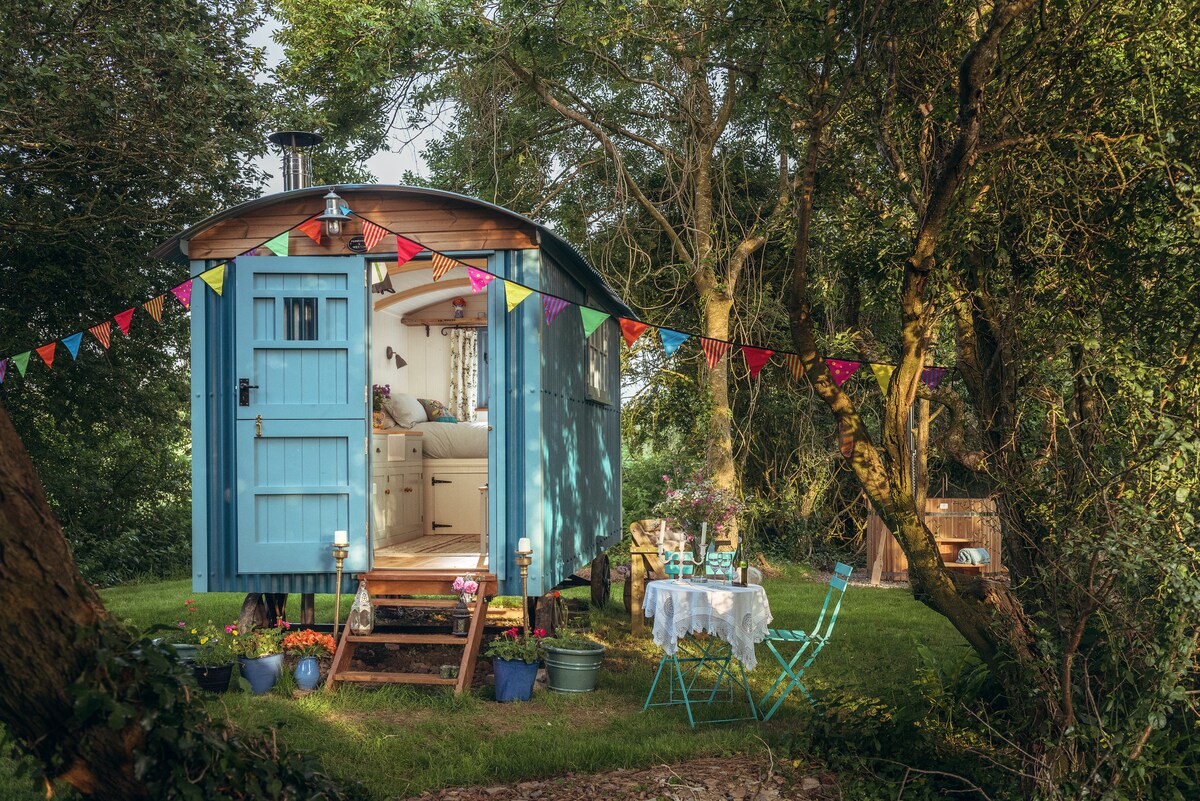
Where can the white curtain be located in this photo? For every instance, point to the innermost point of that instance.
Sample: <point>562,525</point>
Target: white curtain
<point>464,373</point>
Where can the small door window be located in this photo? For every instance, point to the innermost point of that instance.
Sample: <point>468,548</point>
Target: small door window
<point>300,318</point>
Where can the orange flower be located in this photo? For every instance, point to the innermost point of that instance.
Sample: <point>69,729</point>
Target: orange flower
<point>310,643</point>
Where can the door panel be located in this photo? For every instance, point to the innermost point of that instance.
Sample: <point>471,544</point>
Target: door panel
<point>453,502</point>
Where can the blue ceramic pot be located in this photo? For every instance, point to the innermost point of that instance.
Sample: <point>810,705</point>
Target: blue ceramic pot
<point>308,673</point>
<point>262,673</point>
<point>514,679</point>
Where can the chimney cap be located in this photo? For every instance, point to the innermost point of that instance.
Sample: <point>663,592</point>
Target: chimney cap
<point>296,138</point>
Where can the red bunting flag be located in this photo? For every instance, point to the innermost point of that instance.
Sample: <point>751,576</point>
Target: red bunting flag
<point>154,307</point>
<point>553,306</point>
<point>442,265</point>
<point>406,249</point>
<point>842,369</point>
<point>794,365</point>
<point>47,354</point>
<point>103,332</point>
<point>183,293</point>
<point>372,234</point>
<point>313,229</point>
<point>631,330</point>
<point>714,349</point>
<point>123,319</point>
<point>756,358</point>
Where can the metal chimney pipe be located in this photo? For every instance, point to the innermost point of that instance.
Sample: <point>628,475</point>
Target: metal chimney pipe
<point>297,161</point>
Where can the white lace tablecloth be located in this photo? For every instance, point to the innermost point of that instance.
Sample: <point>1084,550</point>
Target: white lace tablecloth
<point>738,615</point>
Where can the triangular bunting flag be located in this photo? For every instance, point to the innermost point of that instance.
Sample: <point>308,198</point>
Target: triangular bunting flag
<point>72,343</point>
<point>592,318</point>
<point>756,359</point>
<point>842,369</point>
<point>442,265</point>
<point>631,330</point>
<point>479,279</point>
<point>314,229</point>
<point>278,245</point>
<point>372,234</point>
<point>103,332</point>
<point>3,369</point>
<point>154,308</point>
<point>47,354</point>
<point>671,340</point>
<point>794,365</point>
<point>714,349</point>
<point>183,293</point>
<point>553,307</point>
<point>215,278</point>
<point>514,294</point>
<point>932,376</point>
<point>883,375</point>
<point>346,210</point>
<point>406,249</point>
<point>123,319</point>
<point>21,360</point>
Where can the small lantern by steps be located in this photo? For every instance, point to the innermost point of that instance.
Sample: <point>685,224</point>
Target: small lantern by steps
<point>362,614</point>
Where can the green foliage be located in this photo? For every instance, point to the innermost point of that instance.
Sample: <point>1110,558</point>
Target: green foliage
<point>513,645</point>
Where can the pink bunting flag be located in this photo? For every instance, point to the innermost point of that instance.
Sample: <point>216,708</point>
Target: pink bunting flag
<point>479,279</point>
<point>714,349</point>
<point>313,229</point>
<point>631,330</point>
<point>442,265</point>
<point>794,365</point>
<point>932,376</point>
<point>123,319</point>
<point>183,293</point>
<point>553,306</point>
<point>47,354</point>
<point>756,359</point>
<point>842,369</point>
<point>406,249</point>
<point>372,234</point>
<point>103,333</point>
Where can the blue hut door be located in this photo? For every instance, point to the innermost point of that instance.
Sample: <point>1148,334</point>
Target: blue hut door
<point>302,400</point>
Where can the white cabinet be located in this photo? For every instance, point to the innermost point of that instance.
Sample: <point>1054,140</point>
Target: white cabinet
<point>452,496</point>
<point>396,465</point>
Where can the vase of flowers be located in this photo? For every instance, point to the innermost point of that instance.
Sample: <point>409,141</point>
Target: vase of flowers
<point>700,509</point>
<point>515,663</point>
<point>212,664</point>
<point>309,646</point>
<point>379,393</point>
<point>260,654</point>
<point>466,586</point>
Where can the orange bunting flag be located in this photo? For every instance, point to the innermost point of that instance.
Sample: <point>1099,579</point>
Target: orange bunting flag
<point>155,307</point>
<point>406,249</point>
<point>631,330</point>
<point>372,234</point>
<point>756,358</point>
<point>47,354</point>
<point>442,265</point>
<point>842,369</point>
<point>123,319</point>
<point>313,229</point>
<point>794,365</point>
<point>103,333</point>
<point>714,349</point>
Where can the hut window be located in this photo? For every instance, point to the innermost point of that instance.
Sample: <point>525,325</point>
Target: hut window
<point>300,318</point>
<point>597,366</point>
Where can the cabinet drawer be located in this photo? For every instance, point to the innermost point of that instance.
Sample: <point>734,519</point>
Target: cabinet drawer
<point>389,448</point>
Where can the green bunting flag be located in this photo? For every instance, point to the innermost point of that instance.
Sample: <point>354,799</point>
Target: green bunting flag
<point>21,360</point>
<point>591,319</point>
<point>278,245</point>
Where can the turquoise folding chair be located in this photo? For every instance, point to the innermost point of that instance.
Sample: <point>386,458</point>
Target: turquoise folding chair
<point>810,644</point>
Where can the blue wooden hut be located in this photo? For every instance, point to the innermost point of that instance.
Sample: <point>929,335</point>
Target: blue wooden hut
<point>286,450</point>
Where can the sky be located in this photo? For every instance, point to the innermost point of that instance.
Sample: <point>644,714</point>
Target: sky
<point>388,166</point>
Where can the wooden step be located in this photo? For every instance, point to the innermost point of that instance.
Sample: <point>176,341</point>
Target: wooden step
<point>417,603</point>
<point>368,677</point>
<point>410,639</point>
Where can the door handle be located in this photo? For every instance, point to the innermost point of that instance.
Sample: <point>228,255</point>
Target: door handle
<point>244,387</point>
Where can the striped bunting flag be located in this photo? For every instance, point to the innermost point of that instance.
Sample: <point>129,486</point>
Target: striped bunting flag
<point>72,344</point>
<point>514,294</point>
<point>123,319</point>
<point>406,249</point>
<point>442,265</point>
<point>714,350</point>
<point>794,365</point>
<point>631,330</point>
<point>21,360</point>
<point>372,234</point>
<point>553,307</point>
<point>47,354</point>
<point>479,279</point>
<point>215,278</point>
<point>154,308</point>
<point>103,333</point>
<point>756,359</point>
<point>313,229</point>
<point>842,369</point>
<point>932,376</point>
<point>3,369</point>
<point>182,293</point>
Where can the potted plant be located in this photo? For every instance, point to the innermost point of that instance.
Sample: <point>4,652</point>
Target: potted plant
<point>573,662</point>
<point>309,646</point>
<point>379,393</point>
<point>260,654</point>
<point>212,664</point>
<point>515,663</point>
<point>466,586</point>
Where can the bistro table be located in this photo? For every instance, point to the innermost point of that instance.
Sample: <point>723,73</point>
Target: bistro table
<point>735,618</point>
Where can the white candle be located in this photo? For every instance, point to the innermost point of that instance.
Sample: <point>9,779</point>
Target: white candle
<point>703,537</point>
<point>523,545</point>
<point>662,537</point>
<point>341,538</point>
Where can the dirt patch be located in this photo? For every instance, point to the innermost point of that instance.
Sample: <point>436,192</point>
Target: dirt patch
<point>416,659</point>
<point>714,779</point>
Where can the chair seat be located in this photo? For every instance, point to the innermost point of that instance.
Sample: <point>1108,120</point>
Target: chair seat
<point>787,635</point>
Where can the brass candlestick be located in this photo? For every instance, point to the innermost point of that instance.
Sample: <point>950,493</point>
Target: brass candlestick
<point>340,552</point>
<point>524,560</point>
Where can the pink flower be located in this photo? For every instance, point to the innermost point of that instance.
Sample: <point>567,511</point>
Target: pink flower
<point>457,585</point>
<point>471,587</point>
<point>539,632</point>
<point>230,629</point>
<point>181,625</point>
<point>283,624</point>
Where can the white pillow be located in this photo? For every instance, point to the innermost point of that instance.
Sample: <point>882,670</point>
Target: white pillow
<point>405,410</point>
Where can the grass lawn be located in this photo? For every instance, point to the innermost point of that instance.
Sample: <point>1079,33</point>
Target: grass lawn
<point>400,741</point>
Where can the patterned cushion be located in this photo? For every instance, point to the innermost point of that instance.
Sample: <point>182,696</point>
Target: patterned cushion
<point>437,411</point>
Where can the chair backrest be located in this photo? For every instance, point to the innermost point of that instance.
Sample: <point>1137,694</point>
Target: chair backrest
<point>674,564</point>
<point>837,584</point>
<point>718,563</point>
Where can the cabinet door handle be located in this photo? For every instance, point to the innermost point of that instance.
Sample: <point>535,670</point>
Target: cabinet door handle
<point>387,492</point>
<point>408,489</point>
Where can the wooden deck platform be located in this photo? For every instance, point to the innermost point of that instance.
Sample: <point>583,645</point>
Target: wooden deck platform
<point>434,552</point>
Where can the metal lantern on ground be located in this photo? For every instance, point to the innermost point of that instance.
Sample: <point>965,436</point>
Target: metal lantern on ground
<point>333,216</point>
<point>462,619</point>
<point>362,614</point>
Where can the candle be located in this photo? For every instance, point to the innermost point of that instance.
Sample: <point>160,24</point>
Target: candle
<point>662,537</point>
<point>703,537</point>
<point>523,545</point>
<point>341,538</point>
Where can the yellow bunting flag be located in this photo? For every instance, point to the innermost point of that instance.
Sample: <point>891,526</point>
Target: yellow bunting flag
<point>215,278</point>
<point>442,265</point>
<point>883,375</point>
<point>514,294</point>
<point>154,307</point>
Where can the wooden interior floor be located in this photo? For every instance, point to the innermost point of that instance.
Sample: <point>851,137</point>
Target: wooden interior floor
<point>437,551</point>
